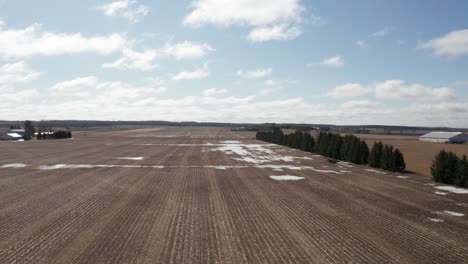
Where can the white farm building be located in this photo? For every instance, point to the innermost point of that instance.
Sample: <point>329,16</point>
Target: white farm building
<point>445,137</point>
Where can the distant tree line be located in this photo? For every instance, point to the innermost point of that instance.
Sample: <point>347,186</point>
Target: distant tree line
<point>61,134</point>
<point>347,148</point>
<point>298,140</point>
<point>448,168</point>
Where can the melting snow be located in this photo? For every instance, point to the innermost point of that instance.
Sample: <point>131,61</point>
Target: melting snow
<point>376,171</point>
<point>453,213</point>
<point>286,178</point>
<point>437,220</point>
<point>345,164</point>
<point>452,189</point>
<point>14,165</point>
<point>130,158</point>
<point>441,193</point>
<point>402,177</point>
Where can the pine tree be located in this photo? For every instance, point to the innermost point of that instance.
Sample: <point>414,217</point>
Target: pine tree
<point>386,163</point>
<point>461,173</point>
<point>364,153</point>
<point>398,161</point>
<point>375,155</point>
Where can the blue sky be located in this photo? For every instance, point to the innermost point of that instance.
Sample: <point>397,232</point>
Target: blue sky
<point>340,62</point>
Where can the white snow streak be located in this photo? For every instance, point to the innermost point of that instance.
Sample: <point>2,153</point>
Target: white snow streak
<point>452,189</point>
<point>286,178</point>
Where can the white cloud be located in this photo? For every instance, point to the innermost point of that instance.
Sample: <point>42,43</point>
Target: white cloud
<point>93,89</point>
<point>259,73</point>
<point>443,108</point>
<point>275,32</point>
<point>78,84</point>
<point>362,43</point>
<point>199,73</point>
<point>128,9</point>
<point>271,19</point>
<point>187,50</point>
<point>134,60</point>
<point>461,83</point>
<point>349,90</point>
<point>382,33</point>
<point>14,73</point>
<point>453,44</point>
<point>33,41</point>
<point>397,89</point>
<point>243,12</point>
<point>213,91</point>
<point>360,104</point>
<point>335,61</point>
<point>2,23</point>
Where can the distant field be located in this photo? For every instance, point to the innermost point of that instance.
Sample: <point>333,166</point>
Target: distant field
<point>418,154</point>
<point>210,195</point>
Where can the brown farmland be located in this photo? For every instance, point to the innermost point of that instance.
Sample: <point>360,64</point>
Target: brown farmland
<point>418,154</point>
<point>204,195</point>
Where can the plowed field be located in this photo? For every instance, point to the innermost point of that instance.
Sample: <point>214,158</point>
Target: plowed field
<point>205,195</point>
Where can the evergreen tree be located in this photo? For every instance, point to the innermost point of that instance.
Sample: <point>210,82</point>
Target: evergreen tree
<point>461,173</point>
<point>398,161</point>
<point>375,155</point>
<point>444,167</point>
<point>364,153</point>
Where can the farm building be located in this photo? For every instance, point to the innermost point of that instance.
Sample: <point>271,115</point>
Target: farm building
<point>445,137</point>
<point>11,136</point>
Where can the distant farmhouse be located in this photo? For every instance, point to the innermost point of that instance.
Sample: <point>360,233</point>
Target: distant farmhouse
<point>445,137</point>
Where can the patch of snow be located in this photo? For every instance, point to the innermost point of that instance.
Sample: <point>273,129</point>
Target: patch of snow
<point>345,171</point>
<point>441,193</point>
<point>452,189</point>
<point>130,158</point>
<point>286,178</point>
<point>14,165</point>
<point>402,177</point>
<point>453,213</point>
<point>376,171</point>
<point>437,220</point>
<point>278,169</point>
<point>53,167</point>
<point>230,142</point>
<point>345,164</point>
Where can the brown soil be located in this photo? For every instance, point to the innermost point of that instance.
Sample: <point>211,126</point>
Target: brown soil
<point>187,212</point>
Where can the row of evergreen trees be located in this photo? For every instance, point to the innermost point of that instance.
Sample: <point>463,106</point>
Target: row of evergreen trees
<point>347,148</point>
<point>61,134</point>
<point>298,140</point>
<point>386,157</point>
<point>448,168</point>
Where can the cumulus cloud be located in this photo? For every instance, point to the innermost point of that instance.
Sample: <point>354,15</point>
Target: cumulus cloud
<point>92,88</point>
<point>362,43</point>
<point>213,91</point>
<point>382,32</point>
<point>33,41</point>
<point>200,73</point>
<point>461,83</point>
<point>271,19</point>
<point>77,84</point>
<point>349,90</point>
<point>398,89</point>
<point>134,60</point>
<point>452,45</point>
<point>255,74</point>
<point>335,61</point>
<point>18,72</point>
<point>187,50</point>
<point>128,9</point>
<point>276,32</point>
<point>359,104</point>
